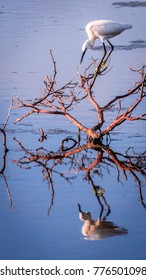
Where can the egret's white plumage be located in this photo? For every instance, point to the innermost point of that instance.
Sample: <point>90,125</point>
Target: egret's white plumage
<point>104,30</point>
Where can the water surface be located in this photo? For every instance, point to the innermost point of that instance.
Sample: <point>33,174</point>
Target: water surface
<point>38,221</point>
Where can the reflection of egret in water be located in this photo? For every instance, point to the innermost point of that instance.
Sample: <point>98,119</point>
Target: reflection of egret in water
<point>99,228</point>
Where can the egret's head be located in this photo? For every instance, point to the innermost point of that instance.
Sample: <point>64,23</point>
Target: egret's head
<point>84,215</point>
<point>87,44</point>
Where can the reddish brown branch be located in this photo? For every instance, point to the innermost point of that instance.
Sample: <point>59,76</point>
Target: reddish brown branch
<point>61,100</point>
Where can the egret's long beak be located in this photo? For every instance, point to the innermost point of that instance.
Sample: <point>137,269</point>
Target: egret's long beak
<point>83,55</point>
<point>79,207</point>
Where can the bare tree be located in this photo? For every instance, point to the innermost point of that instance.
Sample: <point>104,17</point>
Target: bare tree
<point>61,100</point>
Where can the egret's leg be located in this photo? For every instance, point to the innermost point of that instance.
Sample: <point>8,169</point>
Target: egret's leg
<point>102,59</point>
<point>105,51</point>
<point>112,48</point>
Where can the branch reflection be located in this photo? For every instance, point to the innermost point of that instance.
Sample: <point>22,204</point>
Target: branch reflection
<point>92,159</point>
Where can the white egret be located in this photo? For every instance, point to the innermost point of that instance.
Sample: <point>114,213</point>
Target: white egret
<point>104,30</point>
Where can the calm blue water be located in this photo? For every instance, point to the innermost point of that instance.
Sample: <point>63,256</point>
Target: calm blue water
<point>36,222</point>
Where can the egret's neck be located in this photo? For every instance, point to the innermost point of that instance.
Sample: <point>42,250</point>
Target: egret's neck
<point>89,43</point>
<point>92,42</point>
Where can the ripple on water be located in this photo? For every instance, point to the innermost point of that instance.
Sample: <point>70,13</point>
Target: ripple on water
<point>131,4</point>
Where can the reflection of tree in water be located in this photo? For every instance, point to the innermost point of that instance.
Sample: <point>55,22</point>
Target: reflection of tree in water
<point>94,160</point>
<point>91,159</point>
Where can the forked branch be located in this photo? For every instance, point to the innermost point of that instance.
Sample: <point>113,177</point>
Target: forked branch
<point>61,100</point>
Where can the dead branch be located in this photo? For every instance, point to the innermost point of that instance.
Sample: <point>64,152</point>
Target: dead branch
<point>5,151</point>
<point>61,100</point>
<point>4,135</point>
<point>127,114</point>
<point>43,136</point>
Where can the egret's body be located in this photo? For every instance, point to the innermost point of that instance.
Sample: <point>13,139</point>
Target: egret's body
<point>104,30</point>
